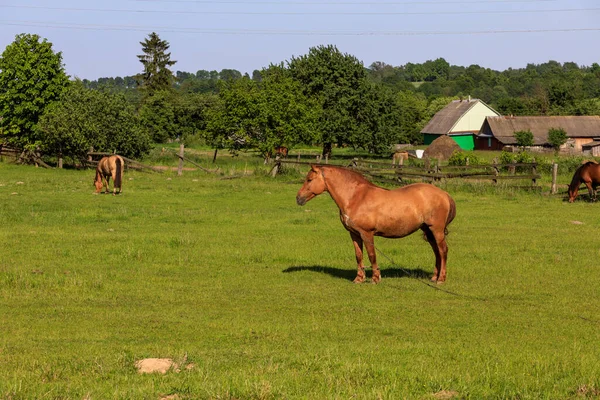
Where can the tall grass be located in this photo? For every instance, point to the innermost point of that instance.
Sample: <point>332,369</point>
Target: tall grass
<point>230,276</point>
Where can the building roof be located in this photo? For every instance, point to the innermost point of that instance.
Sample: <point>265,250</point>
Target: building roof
<point>503,128</point>
<point>445,119</point>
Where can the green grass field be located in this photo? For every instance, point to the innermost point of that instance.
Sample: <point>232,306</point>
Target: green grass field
<point>229,276</point>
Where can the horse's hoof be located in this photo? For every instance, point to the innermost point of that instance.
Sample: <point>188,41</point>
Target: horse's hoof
<point>357,281</point>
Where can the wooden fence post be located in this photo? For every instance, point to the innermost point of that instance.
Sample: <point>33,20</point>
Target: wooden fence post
<point>180,167</point>
<point>553,188</point>
<point>60,161</point>
<point>318,159</point>
<point>496,170</point>
<point>276,167</point>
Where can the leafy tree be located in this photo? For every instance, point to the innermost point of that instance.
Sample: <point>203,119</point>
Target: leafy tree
<point>413,115</point>
<point>261,116</point>
<point>156,76</point>
<point>32,77</point>
<point>557,137</point>
<point>524,138</point>
<point>157,115</point>
<point>85,118</point>
<point>334,80</point>
<point>230,74</point>
<point>378,120</point>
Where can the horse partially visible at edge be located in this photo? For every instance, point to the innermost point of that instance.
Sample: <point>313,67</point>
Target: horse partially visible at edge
<point>109,167</point>
<point>588,173</point>
<point>367,210</point>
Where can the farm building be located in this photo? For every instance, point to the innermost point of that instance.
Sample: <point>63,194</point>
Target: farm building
<point>498,132</point>
<point>461,120</point>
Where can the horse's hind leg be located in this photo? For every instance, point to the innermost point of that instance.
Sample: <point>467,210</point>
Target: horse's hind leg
<point>437,240</point>
<point>358,250</point>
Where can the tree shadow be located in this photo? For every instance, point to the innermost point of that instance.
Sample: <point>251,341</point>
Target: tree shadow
<point>350,274</point>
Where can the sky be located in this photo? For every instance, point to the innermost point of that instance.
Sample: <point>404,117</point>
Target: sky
<point>102,38</point>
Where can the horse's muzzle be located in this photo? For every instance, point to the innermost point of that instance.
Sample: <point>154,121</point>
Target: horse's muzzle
<point>300,200</point>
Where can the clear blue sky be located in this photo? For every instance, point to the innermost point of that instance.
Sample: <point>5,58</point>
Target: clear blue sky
<point>101,38</point>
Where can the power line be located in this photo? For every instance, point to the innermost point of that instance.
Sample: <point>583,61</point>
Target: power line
<point>563,10</point>
<point>374,3</point>
<point>235,31</point>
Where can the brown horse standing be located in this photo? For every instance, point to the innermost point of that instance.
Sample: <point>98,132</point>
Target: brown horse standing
<point>108,167</point>
<point>588,173</point>
<point>367,210</point>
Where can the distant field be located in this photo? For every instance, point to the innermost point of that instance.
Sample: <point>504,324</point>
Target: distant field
<point>225,273</point>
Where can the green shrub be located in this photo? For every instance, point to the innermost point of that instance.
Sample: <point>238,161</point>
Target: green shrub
<point>461,157</point>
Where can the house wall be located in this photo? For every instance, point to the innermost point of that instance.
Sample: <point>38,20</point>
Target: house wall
<point>473,119</point>
<point>578,142</point>
<point>465,142</point>
<point>487,143</point>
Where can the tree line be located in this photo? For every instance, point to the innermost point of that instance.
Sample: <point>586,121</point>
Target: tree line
<point>325,97</point>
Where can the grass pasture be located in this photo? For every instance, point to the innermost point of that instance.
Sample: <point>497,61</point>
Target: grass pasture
<point>254,293</point>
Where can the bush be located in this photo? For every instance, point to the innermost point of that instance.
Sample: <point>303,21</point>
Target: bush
<point>461,157</point>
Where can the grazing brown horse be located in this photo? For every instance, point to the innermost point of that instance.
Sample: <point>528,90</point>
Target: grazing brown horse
<point>367,210</point>
<point>108,167</point>
<point>588,173</point>
<point>281,151</point>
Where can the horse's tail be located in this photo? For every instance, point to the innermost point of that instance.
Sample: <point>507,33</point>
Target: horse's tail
<point>119,173</point>
<point>451,213</point>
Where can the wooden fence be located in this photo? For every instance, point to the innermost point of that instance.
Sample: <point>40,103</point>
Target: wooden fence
<point>400,174</point>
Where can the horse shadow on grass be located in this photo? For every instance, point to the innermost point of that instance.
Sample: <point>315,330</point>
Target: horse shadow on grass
<point>350,274</point>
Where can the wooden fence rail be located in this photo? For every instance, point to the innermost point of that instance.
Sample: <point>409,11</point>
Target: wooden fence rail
<point>399,172</point>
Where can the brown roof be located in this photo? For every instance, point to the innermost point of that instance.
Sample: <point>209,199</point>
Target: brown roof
<point>443,121</point>
<point>503,128</point>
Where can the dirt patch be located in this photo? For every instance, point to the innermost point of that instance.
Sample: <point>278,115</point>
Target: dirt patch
<point>161,365</point>
<point>155,365</point>
<point>445,394</point>
<point>165,168</point>
<point>441,148</point>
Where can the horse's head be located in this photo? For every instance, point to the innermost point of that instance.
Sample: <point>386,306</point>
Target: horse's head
<point>98,182</point>
<point>313,186</point>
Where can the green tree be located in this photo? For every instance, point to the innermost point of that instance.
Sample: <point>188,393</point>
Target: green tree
<point>32,77</point>
<point>85,118</point>
<point>378,119</point>
<point>334,80</point>
<point>262,115</point>
<point>156,61</point>
<point>524,138</point>
<point>157,115</point>
<point>557,137</point>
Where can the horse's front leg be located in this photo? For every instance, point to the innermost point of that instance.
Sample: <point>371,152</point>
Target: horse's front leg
<point>370,245</point>
<point>106,182</point>
<point>358,250</point>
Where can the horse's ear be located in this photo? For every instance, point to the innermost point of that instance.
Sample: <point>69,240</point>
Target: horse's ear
<point>314,168</point>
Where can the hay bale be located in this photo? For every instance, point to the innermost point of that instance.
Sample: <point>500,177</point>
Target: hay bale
<point>441,148</point>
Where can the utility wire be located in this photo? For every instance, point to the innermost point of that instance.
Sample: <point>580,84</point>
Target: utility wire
<point>373,3</point>
<point>236,31</point>
<point>140,11</point>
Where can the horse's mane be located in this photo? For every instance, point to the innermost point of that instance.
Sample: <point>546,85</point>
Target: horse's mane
<point>350,175</point>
